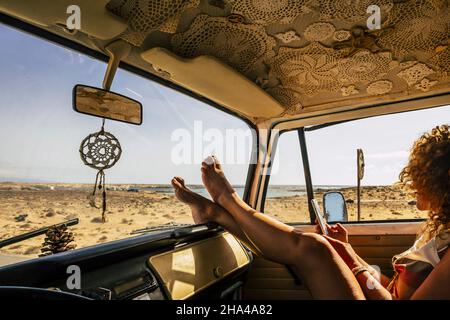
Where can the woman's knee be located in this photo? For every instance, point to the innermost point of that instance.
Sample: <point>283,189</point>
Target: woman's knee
<point>313,247</point>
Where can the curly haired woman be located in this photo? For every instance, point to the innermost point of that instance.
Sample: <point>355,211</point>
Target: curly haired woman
<point>327,264</point>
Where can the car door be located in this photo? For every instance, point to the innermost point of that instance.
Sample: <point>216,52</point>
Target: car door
<point>388,219</point>
<point>376,243</point>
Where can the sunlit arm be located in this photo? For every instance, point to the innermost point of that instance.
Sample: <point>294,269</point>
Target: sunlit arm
<point>372,288</point>
<point>384,280</point>
<point>437,285</point>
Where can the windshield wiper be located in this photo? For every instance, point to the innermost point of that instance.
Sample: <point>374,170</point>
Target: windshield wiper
<point>35,233</point>
<point>179,229</point>
<point>167,226</point>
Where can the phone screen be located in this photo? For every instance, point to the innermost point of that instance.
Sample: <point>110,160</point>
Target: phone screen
<point>320,218</point>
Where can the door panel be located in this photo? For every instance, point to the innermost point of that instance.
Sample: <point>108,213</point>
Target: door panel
<point>268,280</point>
<point>376,243</point>
<point>380,252</point>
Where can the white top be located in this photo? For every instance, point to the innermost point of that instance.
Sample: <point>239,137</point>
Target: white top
<point>414,265</point>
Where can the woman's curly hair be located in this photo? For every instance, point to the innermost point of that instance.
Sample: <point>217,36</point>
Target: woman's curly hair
<point>428,173</point>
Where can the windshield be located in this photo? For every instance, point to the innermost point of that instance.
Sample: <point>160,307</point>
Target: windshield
<point>43,181</point>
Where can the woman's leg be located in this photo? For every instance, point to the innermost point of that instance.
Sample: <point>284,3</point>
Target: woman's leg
<point>311,256</point>
<point>204,210</point>
<point>321,271</point>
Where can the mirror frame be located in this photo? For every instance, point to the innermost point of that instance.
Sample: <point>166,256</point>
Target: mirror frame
<point>345,205</point>
<point>74,99</point>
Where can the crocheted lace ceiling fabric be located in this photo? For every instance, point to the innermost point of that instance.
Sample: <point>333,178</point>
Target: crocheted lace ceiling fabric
<point>305,53</point>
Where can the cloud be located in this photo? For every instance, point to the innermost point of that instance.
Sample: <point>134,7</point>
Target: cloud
<point>400,154</point>
<point>134,92</point>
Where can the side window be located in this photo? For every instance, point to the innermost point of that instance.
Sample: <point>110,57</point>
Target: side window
<point>286,197</point>
<point>386,142</point>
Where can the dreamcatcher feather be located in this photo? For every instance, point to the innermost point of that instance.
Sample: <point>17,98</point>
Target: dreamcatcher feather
<point>100,150</point>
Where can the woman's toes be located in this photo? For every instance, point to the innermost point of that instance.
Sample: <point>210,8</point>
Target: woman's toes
<point>209,160</point>
<point>179,183</point>
<point>201,208</point>
<point>205,167</point>
<point>183,193</point>
<point>180,180</point>
<point>176,184</point>
<point>217,163</point>
<point>208,164</point>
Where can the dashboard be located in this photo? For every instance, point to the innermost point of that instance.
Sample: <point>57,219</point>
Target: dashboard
<point>207,264</point>
<point>186,271</point>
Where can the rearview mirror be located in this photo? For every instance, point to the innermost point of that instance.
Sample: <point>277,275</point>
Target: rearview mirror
<point>106,104</point>
<point>334,207</point>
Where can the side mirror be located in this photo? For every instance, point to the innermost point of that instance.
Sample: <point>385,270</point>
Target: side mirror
<point>106,104</point>
<point>334,207</point>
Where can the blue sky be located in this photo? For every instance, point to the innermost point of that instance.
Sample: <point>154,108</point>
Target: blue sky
<point>41,133</point>
<point>385,140</point>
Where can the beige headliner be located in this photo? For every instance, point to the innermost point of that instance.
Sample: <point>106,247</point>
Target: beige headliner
<point>256,79</point>
<point>201,75</point>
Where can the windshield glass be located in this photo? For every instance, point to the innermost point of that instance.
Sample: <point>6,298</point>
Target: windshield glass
<point>43,180</point>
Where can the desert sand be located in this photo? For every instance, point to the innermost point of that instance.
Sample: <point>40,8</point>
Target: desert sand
<point>25,207</point>
<point>377,203</point>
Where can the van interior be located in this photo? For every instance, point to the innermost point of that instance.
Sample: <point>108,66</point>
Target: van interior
<point>307,83</point>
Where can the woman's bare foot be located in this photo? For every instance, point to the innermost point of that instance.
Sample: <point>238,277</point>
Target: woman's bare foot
<point>214,180</point>
<point>203,210</point>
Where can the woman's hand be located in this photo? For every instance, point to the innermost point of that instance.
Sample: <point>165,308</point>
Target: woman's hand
<point>336,231</point>
<point>345,251</point>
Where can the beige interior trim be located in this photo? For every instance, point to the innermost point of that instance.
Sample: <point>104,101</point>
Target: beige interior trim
<point>187,270</point>
<point>384,228</point>
<point>211,78</point>
<point>95,19</point>
<point>377,110</point>
<point>289,61</point>
<point>265,159</point>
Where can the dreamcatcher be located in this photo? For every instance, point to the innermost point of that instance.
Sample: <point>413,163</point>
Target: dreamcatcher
<point>100,150</point>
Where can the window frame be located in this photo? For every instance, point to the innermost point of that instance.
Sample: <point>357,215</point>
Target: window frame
<point>304,154</point>
<point>306,171</point>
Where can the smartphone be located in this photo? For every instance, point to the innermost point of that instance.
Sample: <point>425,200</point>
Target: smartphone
<point>320,218</point>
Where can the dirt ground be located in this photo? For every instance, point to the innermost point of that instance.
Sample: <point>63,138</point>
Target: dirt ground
<point>27,207</point>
